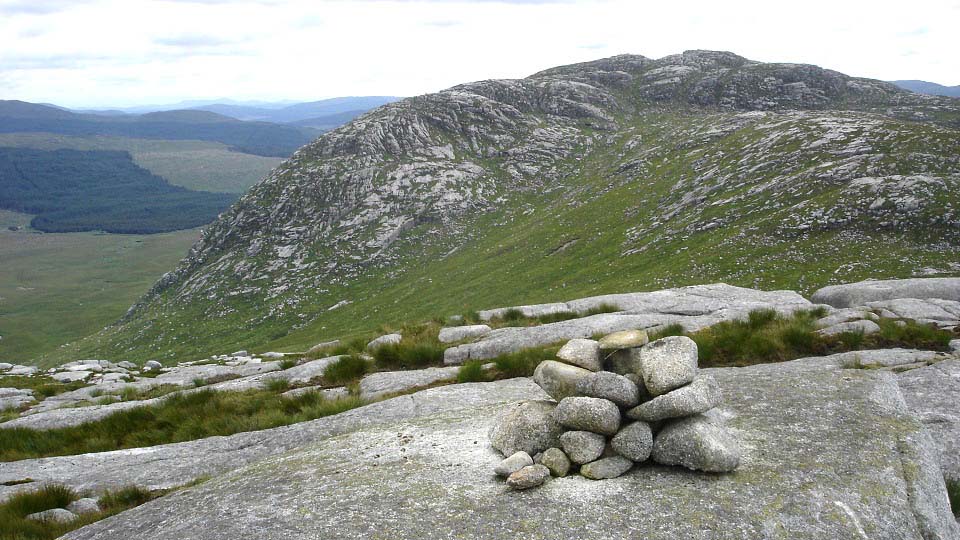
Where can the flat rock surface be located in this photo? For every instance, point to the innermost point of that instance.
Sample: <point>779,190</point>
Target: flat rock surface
<point>175,464</point>
<point>858,294</point>
<point>933,394</point>
<point>694,307</point>
<point>431,478</point>
<point>388,382</point>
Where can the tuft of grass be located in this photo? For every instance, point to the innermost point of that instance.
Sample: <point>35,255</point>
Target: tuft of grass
<point>406,355</point>
<point>913,334</point>
<point>675,329</point>
<point>473,371</point>
<point>523,362</point>
<point>351,346</point>
<point>125,497</point>
<point>277,385</point>
<point>512,315</point>
<point>199,382</point>
<point>762,318</point>
<point>602,308</point>
<point>953,492</point>
<point>765,336</point>
<point>852,340</point>
<point>13,511</point>
<point>347,369</point>
<point>180,417</point>
<point>288,363</point>
<point>556,317</point>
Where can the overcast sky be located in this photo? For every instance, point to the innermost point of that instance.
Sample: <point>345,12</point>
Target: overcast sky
<point>85,53</point>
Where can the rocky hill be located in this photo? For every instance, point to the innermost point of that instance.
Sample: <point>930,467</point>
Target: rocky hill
<point>626,173</point>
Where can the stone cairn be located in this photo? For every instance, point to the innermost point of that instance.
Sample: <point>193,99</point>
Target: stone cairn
<point>619,402</point>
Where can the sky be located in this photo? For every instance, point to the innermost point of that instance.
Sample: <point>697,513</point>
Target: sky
<point>96,53</point>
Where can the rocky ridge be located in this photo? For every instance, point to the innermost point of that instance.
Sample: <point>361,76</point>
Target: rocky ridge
<point>639,159</point>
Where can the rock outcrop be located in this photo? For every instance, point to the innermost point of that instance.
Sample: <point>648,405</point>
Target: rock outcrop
<point>852,295</point>
<point>383,478</point>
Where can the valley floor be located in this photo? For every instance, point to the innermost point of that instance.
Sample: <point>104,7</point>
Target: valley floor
<point>55,288</point>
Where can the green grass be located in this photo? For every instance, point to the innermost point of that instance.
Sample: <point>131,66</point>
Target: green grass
<point>953,491</point>
<point>472,371</point>
<point>13,511</point>
<point>181,417</point>
<point>769,337</point>
<point>57,288</point>
<point>408,355</point>
<point>523,362</point>
<point>288,363</point>
<point>348,369</point>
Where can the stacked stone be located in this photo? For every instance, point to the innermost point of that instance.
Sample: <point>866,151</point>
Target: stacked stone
<point>619,402</point>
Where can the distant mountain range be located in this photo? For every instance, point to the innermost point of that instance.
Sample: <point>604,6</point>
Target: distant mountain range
<point>324,113</point>
<point>933,89</point>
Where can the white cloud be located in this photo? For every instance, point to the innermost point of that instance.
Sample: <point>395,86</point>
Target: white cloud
<point>100,52</point>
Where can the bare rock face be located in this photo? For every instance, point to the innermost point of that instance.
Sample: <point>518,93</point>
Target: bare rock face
<point>859,294</point>
<point>781,484</point>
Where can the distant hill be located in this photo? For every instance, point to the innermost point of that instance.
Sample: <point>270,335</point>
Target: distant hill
<point>299,112</point>
<point>933,89</point>
<point>259,138</point>
<point>330,121</point>
<point>73,191</point>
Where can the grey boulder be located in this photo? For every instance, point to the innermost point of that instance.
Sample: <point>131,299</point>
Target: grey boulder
<point>459,333</point>
<point>608,385</point>
<point>389,339</point>
<point>527,426</point>
<point>625,339</point>
<point>583,353</point>
<point>83,506</point>
<point>557,461</point>
<point>668,363</point>
<point>528,477</point>
<point>513,464</point>
<point>583,446</point>
<point>697,443</point>
<point>605,468</point>
<point>699,396</point>
<point>557,379</point>
<point>858,327</point>
<point>634,442</point>
<point>55,515</point>
<point>588,414</point>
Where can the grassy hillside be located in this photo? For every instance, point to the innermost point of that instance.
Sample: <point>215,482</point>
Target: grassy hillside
<point>197,165</point>
<point>55,288</point>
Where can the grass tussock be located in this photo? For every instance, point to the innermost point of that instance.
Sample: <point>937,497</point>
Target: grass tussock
<point>953,491</point>
<point>13,511</point>
<point>348,369</point>
<point>181,417</point>
<point>767,336</point>
<point>473,371</point>
<point>522,363</point>
<point>288,363</point>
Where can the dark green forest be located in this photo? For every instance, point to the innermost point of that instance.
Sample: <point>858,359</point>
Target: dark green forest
<point>72,191</point>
